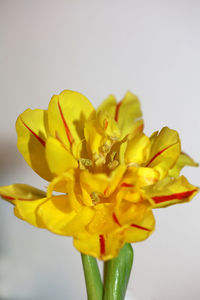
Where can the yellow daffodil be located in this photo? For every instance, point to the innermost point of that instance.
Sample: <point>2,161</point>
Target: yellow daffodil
<point>105,175</point>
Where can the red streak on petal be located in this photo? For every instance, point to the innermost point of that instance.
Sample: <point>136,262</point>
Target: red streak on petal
<point>140,128</point>
<point>117,111</point>
<point>106,124</point>
<point>140,227</point>
<point>124,184</point>
<point>179,196</point>
<point>102,244</point>
<point>157,154</point>
<point>12,198</point>
<point>68,133</point>
<point>35,135</point>
<point>7,197</point>
<point>105,191</point>
<point>115,219</point>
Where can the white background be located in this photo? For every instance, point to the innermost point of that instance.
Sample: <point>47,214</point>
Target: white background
<point>100,47</point>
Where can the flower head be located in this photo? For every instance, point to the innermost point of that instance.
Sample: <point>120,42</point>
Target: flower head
<point>105,175</point>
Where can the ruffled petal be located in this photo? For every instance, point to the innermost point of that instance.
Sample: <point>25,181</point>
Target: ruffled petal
<point>165,150</point>
<point>58,157</point>
<point>140,177</point>
<point>171,191</point>
<point>67,114</point>
<point>101,183</point>
<point>183,160</point>
<point>67,183</point>
<point>32,134</point>
<point>26,199</point>
<point>106,235</point>
<point>127,211</point>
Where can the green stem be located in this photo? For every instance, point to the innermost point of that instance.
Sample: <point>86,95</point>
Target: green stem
<point>116,274</point>
<point>93,280</point>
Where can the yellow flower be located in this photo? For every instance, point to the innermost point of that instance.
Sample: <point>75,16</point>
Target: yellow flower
<point>105,175</point>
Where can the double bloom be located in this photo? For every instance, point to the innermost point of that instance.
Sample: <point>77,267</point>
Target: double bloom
<point>105,175</point>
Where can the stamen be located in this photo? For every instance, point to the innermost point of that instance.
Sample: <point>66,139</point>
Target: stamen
<point>85,162</point>
<point>99,159</point>
<point>112,165</point>
<point>112,155</point>
<point>95,198</point>
<point>106,148</point>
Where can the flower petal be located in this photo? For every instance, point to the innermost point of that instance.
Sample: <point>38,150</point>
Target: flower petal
<point>67,113</point>
<point>94,141</point>
<point>67,183</point>
<point>26,199</point>
<point>165,150</point>
<point>171,191</point>
<point>182,161</point>
<point>109,105</point>
<point>55,213</point>
<point>126,113</point>
<point>59,217</point>
<point>140,177</point>
<point>103,246</point>
<point>102,220</point>
<point>27,211</point>
<point>58,157</point>
<point>138,150</point>
<point>127,212</point>
<point>31,131</point>
<point>20,192</point>
<point>94,182</point>
<point>140,231</point>
<point>116,176</point>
